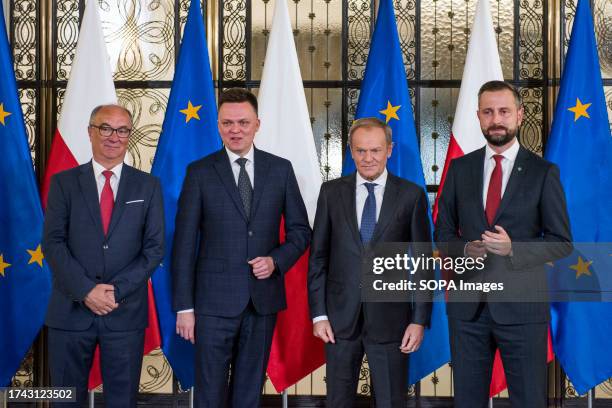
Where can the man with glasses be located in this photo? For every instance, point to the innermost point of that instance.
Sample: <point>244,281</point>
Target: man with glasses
<point>103,238</point>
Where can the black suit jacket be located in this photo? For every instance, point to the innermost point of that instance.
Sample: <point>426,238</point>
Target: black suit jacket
<point>215,238</point>
<point>80,256</point>
<point>337,253</point>
<point>533,213</point>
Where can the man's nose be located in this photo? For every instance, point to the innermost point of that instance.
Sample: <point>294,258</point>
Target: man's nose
<point>114,137</point>
<point>497,117</point>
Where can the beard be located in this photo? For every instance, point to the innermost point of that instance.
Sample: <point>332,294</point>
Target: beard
<point>499,139</point>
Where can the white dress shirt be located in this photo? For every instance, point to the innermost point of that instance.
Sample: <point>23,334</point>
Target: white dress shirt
<point>361,194</point>
<point>507,164</point>
<point>250,169</point>
<point>249,166</point>
<point>100,179</point>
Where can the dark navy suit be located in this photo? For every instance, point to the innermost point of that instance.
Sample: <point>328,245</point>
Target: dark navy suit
<point>335,280</point>
<point>515,320</point>
<point>81,256</point>
<point>213,241</point>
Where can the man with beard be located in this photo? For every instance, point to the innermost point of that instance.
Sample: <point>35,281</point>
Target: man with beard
<point>507,205</point>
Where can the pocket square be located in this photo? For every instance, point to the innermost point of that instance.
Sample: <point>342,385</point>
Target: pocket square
<point>134,201</point>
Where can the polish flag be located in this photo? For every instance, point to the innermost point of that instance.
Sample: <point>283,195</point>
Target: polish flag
<point>90,84</point>
<point>482,64</point>
<point>286,131</point>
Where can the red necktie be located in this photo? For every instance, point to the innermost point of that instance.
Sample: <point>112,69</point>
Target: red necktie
<point>494,192</point>
<point>107,201</point>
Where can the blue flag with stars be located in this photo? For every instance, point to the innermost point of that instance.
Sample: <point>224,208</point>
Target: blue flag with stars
<point>25,280</point>
<point>384,94</point>
<point>581,145</point>
<point>189,133</point>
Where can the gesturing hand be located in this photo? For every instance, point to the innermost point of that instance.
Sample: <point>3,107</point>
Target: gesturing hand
<point>499,242</point>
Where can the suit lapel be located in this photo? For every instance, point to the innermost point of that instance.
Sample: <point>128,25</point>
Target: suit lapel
<point>348,195</point>
<point>478,177</point>
<point>224,170</point>
<point>87,182</point>
<point>124,182</point>
<point>262,166</point>
<point>514,182</point>
<point>388,207</point>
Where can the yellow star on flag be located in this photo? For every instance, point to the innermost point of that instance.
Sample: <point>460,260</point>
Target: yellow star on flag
<point>390,112</point>
<point>191,112</point>
<point>580,110</point>
<point>3,114</point>
<point>3,265</point>
<point>582,267</point>
<point>36,256</point>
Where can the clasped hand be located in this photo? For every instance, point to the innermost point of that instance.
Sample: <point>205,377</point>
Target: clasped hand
<point>497,242</point>
<point>101,299</point>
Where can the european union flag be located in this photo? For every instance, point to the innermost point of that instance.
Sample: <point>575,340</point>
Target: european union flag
<point>25,281</point>
<point>384,94</point>
<point>581,145</point>
<point>189,133</point>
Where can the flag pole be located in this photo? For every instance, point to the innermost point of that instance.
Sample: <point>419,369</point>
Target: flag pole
<point>490,402</point>
<point>590,398</point>
<point>285,398</point>
<point>191,397</point>
<point>4,392</point>
<point>91,399</point>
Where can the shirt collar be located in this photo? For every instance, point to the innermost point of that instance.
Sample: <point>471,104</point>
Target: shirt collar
<point>98,169</point>
<point>233,156</point>
<point>380,181</point>
<point>509,154</point>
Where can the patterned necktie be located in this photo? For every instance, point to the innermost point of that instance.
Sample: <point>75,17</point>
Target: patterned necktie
<point>244,186</point>
<point>107,201</point>
<point>494,192</point>
<point>368,216</point>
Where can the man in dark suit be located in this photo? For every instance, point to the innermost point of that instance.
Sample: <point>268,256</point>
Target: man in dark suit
<point>355,213</point>
<point>228,262</point>
<point>506,204</point>
<point>103,237</point>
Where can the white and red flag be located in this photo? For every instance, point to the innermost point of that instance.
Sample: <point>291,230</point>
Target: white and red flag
<point>90,84</point>
<point>286,131</point>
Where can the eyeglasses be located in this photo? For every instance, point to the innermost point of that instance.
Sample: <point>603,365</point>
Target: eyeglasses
<point>107,131</point>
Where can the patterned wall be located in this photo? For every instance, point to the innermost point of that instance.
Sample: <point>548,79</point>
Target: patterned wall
<point>332,39</point>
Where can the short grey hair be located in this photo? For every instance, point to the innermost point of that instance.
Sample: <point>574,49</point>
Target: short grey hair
<point>98,108</point>
<point>371,122</point>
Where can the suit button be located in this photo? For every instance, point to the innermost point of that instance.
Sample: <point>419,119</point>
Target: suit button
<point>105,246</point>
<point>250,233</point>
<point>98,278</point>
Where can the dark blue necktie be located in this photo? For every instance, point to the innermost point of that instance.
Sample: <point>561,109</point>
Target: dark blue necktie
<point>368,216</point>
